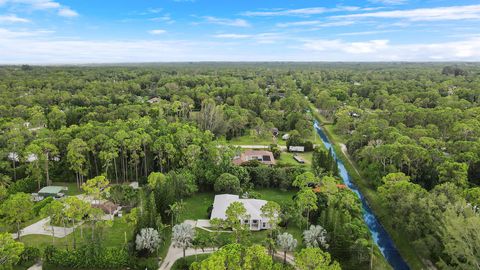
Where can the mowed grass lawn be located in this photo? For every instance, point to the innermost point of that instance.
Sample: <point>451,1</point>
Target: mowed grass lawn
<point>72,188</point>
<point>255,140</point>
<point>113,236</point>
<point>286,158</point>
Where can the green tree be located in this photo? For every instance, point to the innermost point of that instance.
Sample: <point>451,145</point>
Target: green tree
<point>16,209</point>
<point>286,243</point>
<point>175,210</point>
<point>10,251</point>
<point>96,187</point>
<point>227,183</point>
<point>76,155</point>
<point>236,214</point>
<point>75,211</point>
<point>256,257</point>
<point>453,172</point>
<point>55,211</point>
<point>56,118</point>
<point>271,211</point>
<point>182,236</point>
<point>460,236</point>
<point>315,259</point>
<point>304,180</point>
<point>316,236</point>
<point>306,201</point>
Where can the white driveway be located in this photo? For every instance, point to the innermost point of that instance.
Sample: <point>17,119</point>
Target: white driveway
<point>42,227</point>
<point>176,253</point>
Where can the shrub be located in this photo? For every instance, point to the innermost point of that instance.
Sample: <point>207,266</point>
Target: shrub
<point>29,254</point>
<point>227,183</point>
<point>148,239</point>
<point>87,257</point>
<point>39,205</point>
<point>26,185</point>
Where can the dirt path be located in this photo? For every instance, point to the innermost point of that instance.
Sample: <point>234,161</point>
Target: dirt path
<point>345,153</point>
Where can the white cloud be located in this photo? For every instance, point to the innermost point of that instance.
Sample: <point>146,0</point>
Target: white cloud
<point>261,38</point>
<point>316,23</point>
<point>227,22</point>
<point>157,31</point>
<point>42,5</point>
<point>40,47</point>
<point>365,33</point>
<point>9,34</point>
<point>383,50</point>
<point>232,36</point>
<point>389,2</point>
<point>423,14</point>
<point>67,12</point>
<point>352,47</point>
<point>165,18</point>
<point>12,19</point>
<point>303,12</point>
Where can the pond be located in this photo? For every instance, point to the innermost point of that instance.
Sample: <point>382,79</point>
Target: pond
<point>379,234</point>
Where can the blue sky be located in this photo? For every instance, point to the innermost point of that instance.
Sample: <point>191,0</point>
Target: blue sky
<point>104,31</point>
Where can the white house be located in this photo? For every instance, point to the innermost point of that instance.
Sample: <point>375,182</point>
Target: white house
<point>255,221</point>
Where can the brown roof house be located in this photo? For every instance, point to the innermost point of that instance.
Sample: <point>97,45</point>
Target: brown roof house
<point>265,157</point>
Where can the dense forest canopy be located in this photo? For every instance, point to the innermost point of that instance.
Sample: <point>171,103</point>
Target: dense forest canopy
<point>412,129</point>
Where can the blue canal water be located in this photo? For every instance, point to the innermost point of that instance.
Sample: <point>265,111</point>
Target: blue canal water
<point>380,235</point>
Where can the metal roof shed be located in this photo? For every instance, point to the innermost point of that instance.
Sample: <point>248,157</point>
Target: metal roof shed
<point>51,191</point>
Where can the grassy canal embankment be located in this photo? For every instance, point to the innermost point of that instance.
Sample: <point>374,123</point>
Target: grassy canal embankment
<point>403,245</point>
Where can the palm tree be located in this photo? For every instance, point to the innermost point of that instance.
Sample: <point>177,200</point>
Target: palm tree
<point>182,236</point>
<point>175,210</point>
<point>286,242</point>
<point>316,236</point>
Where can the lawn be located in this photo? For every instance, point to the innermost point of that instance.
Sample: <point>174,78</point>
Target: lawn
<point>182,264</point>
<point>112,237</point>
<point>286,158</point>
<point>72,188</point>
<point>276,195</point>
<point>255,140</point>
<point>197,206</point>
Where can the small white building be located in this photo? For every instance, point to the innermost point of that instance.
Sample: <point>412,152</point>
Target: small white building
<point>255,221</point>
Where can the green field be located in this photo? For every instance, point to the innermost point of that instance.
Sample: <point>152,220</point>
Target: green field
<point>286,158</point>
<point>72,188</point>
<point>255,140</point>
<point>113,236</point>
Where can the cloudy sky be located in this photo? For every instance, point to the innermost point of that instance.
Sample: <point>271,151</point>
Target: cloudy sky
<point>105,31</point>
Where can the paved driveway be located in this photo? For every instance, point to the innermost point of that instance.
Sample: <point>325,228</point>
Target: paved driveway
<point>42,227</point>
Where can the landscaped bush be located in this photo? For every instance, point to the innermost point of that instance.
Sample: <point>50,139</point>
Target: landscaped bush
<point>124,195</point>
<point>26,185</point>
<point>150,263</point>
<point>87,257</point>
<point>39,205</point>
<point>29,254</point>
<point>227,183</point>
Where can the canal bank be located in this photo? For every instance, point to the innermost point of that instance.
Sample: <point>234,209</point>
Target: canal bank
<point>379,234</point>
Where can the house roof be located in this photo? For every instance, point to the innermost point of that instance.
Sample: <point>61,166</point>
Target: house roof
<point>221,203</point>
<point>107,207</point>
<point>265,156</point>
<point>51,190</point>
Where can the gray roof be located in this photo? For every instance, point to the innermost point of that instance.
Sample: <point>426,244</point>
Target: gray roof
<point>221,203</point>
<point>51,190</point>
